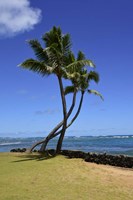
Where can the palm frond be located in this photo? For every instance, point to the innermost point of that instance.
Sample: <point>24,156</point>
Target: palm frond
<point>80,56</point>
<point>78,65</point>
<point>69,89</point>
<point>37,66</point>
<point>38,50</point>
<point>96,93</point>
<point>52,36</point>
<point>54,56</point>
<point>66,44</point>
<point>83,83</point>
<point>92,75</point>
<point>73,76</point>
<point>68,59</point>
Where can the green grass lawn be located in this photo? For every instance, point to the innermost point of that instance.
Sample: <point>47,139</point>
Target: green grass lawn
<point>29,177</point>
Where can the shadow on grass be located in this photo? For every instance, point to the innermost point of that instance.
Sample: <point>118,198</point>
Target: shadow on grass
<point>31,156</point>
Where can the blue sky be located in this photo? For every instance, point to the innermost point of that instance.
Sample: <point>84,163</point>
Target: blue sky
<point>103,29</point>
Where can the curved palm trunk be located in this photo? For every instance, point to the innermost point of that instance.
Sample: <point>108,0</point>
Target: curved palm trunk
<point>78,111</point>
<point>60,141</point>
<point>54,134</point>
<point>46,140</point>
<point>59,144</point>
<point>73,119</point>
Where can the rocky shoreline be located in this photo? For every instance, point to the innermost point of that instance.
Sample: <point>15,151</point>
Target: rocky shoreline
<point>106,159</point>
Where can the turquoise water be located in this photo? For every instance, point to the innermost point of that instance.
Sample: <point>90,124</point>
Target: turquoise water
<point>99,144</point>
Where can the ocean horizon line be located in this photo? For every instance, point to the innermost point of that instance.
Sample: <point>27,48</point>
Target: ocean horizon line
<point>68,136</point>
<point>19,140</point>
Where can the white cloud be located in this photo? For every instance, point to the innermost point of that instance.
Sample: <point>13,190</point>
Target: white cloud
<point>47,111</point>
<point>17,16</point>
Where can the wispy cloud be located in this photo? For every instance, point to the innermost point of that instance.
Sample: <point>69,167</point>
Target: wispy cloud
<point>17,16</point>
<point>100,131</point>
<point>102,109</point>
<point>22,92</point>
<point>47,111</point>
<point>23,134</point>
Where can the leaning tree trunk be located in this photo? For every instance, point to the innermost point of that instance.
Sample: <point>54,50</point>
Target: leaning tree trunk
<point>59,144</point>
<point>54,133</point>
<point>45,140</point>
<point>64,122</point>
<point>78,111</point>
<point>60,141</point>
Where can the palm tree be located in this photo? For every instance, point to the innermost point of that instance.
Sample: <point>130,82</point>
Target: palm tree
<point>57,58</point>
<point>80,78</point>
<point>82,87</point>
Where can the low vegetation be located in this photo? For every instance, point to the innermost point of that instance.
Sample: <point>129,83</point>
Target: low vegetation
<point>29,177</point>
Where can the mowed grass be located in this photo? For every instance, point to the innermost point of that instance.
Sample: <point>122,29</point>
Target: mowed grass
<point>31,177</point>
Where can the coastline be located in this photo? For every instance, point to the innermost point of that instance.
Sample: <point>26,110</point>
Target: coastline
<point>105,159</point>
<point>114,145</point>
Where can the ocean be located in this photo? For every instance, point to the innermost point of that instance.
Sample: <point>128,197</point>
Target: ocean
<point>115,145</point>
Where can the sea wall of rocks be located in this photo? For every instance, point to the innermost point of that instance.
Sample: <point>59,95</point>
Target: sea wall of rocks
<point>18,150</point>
<point>114,160</point>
